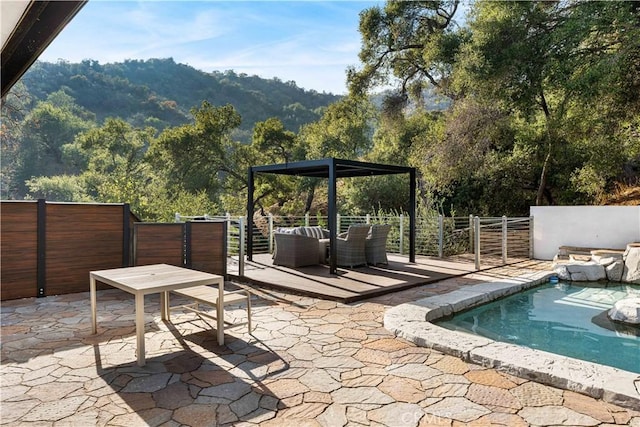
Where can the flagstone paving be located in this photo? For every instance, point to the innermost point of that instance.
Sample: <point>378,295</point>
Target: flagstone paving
<point>308,363</point>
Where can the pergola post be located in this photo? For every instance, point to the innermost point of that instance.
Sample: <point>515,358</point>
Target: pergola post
<point>250,209</point>
<point>333,220</point>
<point>412,218</point>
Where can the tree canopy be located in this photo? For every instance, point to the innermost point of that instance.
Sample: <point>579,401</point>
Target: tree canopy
<point>544,95</point>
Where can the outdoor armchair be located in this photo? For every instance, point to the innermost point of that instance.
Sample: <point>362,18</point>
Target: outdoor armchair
<point>376,244</point>
<point>351,248</point>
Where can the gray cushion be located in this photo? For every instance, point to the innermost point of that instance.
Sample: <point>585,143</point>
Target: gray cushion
<point>315,231</point>
<point>285,230</point>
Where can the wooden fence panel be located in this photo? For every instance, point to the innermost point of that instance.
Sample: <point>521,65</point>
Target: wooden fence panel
<point>50,248</point>
<point>208,246</point>
<point>158,243</point>
<point>81,238</point>
<point>19,254</point>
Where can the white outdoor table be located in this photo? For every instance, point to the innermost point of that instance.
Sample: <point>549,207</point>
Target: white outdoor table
<point>149,279</point>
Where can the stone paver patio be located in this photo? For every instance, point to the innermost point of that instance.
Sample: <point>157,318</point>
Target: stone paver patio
<point>309,362</point>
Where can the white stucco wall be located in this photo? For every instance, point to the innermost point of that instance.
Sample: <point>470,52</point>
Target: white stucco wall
<point>609,227</point>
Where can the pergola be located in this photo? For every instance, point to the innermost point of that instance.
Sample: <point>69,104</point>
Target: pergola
<point>333,169</point>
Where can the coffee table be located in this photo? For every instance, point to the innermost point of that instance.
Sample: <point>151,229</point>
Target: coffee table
<point>149,279</point>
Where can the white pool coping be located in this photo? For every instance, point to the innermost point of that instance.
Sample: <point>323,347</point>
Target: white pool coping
<point>412,321</point>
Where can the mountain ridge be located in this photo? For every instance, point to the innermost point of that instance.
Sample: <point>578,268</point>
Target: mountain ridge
<point>161,92</point>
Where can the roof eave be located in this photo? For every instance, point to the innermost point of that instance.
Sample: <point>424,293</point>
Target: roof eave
<point>41,22</point>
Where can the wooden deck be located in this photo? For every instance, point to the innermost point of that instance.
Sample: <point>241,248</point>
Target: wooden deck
<point>349,284</point>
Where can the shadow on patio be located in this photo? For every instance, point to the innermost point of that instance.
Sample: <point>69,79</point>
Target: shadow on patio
<point>201,384</point>
<point>352,284</point>
<point>54,368</point>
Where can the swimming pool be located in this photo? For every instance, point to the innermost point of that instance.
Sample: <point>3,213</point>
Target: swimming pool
<point>414,321</point>
<point>565,318</point>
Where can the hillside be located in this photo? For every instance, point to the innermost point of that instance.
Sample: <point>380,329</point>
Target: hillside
<point>624,195</point>
<point>160,92</point>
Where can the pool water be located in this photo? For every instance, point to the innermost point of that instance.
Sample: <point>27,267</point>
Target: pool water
<point>569,319</point>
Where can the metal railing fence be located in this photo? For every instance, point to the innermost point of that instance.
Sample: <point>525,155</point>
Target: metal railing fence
<point>501,238</point>
<point>491,240</point>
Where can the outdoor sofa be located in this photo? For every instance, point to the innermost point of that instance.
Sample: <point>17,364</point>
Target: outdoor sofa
<point>300,246</point>
<point>361,244</point>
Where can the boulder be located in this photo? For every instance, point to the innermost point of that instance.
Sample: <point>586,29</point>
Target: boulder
<point>626,310</point>
<point>614,271</point>
<point>614,265</point>
<point>580,276</point>
<point>588,271</point>
<point>605,261</point>
<point>562,272</point>
<point>631,273</point>
<point>579,258</point>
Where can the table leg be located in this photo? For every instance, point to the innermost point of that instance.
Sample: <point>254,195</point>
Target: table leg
<point>220,312</point>
<point>220,315</point>
<point>164,305</point>
<point>140,329</point>
<point>92,293</point>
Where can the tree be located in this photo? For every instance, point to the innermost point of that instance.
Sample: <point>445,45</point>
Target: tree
<point>50,126</point>
<point>509,54</point>
<point>549,59</point>
<point>275,142</point>
<point>201,156</point>
<point>603,111</point>
<point>343,131</point>
<point>397,136</point>
<point>117,169</point>
<point>64,188</point>
<point>408,43</point>
<point>272,144</point>
<point>545,95</point>
<point>13,109</point>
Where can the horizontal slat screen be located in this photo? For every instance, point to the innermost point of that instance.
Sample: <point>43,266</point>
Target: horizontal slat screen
<point>81,238</point>
<point>19,259</point>
<point>208,247</point>
<point>156,243</point>
<point>78,238</point>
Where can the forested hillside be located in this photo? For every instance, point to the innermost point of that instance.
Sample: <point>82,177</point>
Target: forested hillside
<point>49,116</point>
<point>160,92</point>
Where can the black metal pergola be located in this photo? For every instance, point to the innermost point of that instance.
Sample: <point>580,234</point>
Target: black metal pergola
<point>333,169</point>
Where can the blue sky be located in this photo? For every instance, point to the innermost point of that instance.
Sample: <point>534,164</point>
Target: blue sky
<point>309,42</point>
